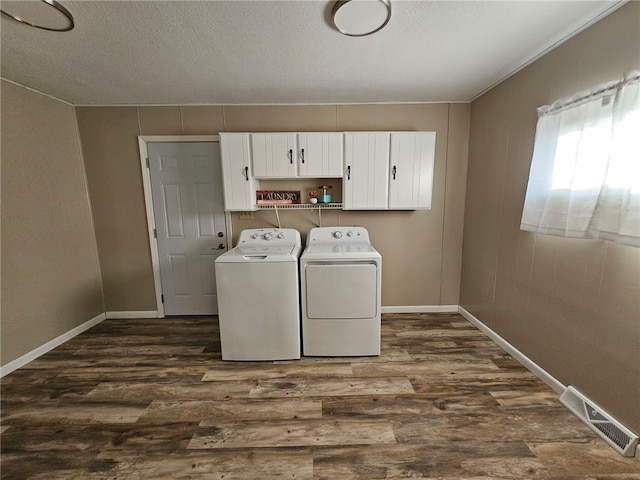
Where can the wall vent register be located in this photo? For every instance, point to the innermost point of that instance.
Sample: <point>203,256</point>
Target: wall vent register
<point>623,440</point>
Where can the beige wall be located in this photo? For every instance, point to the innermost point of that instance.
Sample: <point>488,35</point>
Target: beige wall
<point>50,276</point>
<point>573,306</point>
<point>112,162</point>
<point>421,250</point>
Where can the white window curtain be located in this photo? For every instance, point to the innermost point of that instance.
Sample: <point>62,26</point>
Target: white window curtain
<point>585,171</point>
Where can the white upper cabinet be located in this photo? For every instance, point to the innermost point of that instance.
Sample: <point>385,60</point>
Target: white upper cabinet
<point>380,170</point>
<point>388,171</point>
<point>274,155</point>
<point>291,155</point>
<point>320,155</point>
<point>366,173</point>
<point>238,181</point>
<point>411,170</point>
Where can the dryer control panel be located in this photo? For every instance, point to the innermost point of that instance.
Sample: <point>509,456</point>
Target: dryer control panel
<point>338,235</point>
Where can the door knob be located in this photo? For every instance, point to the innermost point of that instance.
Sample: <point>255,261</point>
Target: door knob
<point>220,234</point>
<point>221,246</point>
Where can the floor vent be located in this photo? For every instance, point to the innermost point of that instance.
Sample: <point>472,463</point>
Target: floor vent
<point>622,439</point>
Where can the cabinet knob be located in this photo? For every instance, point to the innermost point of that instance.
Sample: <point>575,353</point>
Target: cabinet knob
<point>246,173</point>
<point>302,155</point>
<point>291,156</point>
<point>348,172</point>
<point>393,172</point>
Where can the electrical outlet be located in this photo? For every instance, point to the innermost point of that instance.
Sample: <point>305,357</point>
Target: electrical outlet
<point>245,215</point>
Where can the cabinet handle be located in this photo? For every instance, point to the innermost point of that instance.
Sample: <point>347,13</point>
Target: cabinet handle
<point>302,154</point>
<point>246,173</point>
<point>348,172</point>
<point>393,172</point>
<point>291,156</point>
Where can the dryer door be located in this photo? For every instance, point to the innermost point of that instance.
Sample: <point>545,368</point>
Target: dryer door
<point>341,290</point>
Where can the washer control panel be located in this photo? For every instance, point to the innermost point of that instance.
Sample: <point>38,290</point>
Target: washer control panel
<point>338,235</point>
<point>271,236</point>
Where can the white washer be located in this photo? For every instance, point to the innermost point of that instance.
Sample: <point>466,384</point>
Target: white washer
<point>341,284</point>
<point>258,296</point>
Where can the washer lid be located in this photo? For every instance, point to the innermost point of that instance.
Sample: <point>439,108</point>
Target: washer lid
<point>262,250</point>
<point>252,253</point>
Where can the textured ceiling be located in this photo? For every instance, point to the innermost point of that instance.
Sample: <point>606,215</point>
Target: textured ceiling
<point>283,52</point>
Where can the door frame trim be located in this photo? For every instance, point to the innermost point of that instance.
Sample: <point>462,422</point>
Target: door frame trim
<point>143,140</point>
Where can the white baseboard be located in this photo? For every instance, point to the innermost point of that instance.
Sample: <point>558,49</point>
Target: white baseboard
<point>50,345</point>
<point>529,364</point>
<point>420,309</point>
<point>133,314</point>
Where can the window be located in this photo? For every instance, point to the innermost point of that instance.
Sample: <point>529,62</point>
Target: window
<point>585,170</point>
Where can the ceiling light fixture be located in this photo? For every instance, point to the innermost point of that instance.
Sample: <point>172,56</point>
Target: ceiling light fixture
<point>43,14</point>
<point>358,18</point>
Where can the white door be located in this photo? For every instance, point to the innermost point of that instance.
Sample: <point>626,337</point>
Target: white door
<point>366,176</point>
<point>320,154</point>
<point>239,185</point>
<point>274,155</point>
<point>186,186</point>
<point>411,170</point>
<point>341,290</point>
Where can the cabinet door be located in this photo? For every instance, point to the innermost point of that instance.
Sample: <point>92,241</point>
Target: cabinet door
<point>274,155</point>
<point>366,176</point>
<point>411,170</point>
<point>239,185</point>
<point>320,155</point>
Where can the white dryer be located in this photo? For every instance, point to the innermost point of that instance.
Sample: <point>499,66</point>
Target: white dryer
<point>341,286</point>
<point>258,296</point>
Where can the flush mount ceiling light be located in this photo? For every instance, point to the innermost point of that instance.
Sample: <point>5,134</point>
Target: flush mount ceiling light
<point>358,18</point>
<point>43,14</point>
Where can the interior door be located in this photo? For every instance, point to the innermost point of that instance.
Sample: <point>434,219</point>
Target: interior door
<point>186,186</point>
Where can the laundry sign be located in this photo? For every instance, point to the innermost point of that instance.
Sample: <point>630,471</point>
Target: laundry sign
<point>277,197</point>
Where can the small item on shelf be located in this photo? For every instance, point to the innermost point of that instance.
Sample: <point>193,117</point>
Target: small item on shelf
<point>313,196</point>
<point>325,195</point>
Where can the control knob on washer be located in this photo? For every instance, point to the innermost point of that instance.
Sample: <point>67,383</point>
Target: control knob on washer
<point>280,235</point>
<point>337,234</point>
<point>266,236</point>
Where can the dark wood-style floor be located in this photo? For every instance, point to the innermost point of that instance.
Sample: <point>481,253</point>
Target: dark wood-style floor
<point>151,399</point>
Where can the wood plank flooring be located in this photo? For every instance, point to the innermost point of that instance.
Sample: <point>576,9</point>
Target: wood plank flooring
<point>151,399</point>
